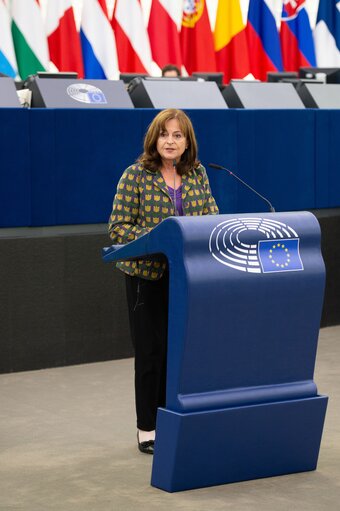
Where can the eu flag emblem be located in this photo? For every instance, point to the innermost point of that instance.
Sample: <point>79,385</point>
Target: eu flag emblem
<point>280,255</point>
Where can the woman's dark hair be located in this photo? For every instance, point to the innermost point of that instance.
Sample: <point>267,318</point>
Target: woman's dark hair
<point>151,160</point>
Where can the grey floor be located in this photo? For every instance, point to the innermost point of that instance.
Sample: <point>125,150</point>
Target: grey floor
<point>67,443</point>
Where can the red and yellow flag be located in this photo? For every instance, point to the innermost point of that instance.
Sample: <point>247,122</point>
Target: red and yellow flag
<point>196,37</point>
<point>230,41</point>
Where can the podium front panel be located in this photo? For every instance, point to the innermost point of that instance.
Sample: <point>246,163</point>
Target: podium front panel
<point>318,95</point>
<point>245,302</point>
<point>262,95</point>
<point>8,94</point>
<point>176,94</point>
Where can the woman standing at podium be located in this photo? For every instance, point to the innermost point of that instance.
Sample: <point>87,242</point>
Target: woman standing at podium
<point>166,180</point>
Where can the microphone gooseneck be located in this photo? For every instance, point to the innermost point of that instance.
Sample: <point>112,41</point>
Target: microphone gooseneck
<point>219,167</point>
<point>174,164</point>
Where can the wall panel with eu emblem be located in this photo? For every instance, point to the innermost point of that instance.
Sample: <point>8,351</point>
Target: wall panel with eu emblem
<point>68,93</point>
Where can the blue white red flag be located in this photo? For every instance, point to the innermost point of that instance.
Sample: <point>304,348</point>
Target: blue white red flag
<point>98,42</point>
<point>263,38</point>
<point>8,64</point>
<point>327,34</point>
<point>297,42</point>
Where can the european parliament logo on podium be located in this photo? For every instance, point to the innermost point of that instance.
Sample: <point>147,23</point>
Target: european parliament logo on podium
<point>275,246</point>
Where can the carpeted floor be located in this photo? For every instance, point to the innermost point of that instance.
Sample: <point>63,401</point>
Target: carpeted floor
<point>67,443</point>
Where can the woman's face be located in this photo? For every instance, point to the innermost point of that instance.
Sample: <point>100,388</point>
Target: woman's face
<point>171,142</point>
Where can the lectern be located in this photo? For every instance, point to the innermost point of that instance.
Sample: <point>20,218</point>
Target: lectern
<point>245,304</point>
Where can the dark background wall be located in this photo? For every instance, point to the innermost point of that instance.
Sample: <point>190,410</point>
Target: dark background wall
<point>60,304</point>
<point>330,243</point>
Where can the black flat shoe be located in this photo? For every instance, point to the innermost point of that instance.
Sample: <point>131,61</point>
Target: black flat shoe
<point>146,447</point>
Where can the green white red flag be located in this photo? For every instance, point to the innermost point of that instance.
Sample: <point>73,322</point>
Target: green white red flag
<point>29,37</point>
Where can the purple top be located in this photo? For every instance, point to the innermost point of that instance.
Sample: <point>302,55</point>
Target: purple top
<point>179,205</point>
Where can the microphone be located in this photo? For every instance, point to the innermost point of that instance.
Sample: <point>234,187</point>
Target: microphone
<point>174,164</point>
<point>219,167</point>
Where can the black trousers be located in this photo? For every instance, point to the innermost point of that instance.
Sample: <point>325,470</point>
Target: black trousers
<point>148,317</point>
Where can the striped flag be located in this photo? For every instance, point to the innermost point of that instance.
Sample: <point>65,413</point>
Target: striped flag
<point>197,43</point>
<point>63,37</point>
<point>231,41</point>
<point>327,34</point>
<point>98,42</point>
<point>8,64</point>
<point>297,43</point>
<point>133,45</point>
<point>29,37</point>
<point>163,32</point>
<point>263,38</point>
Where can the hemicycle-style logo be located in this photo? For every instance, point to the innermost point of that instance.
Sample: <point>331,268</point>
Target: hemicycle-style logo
<point>86,93</point>
<point>274,246</point>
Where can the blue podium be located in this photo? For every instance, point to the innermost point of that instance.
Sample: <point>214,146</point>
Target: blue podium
<point>245,301</point>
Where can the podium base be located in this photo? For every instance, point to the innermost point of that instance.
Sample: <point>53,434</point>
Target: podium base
<point>200,449</point>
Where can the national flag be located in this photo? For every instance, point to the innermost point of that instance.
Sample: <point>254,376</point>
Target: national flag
<point>263,38</point>
<point>133,45</point>
<point>98,42</point>
<point>230,41</point>
<point>8,65</point>
<point>29,37</point>
<point>63,37</point>
<point>280,255</point>
<point>296,37</point>
<point>197,44</point>
<point>327,34</point>
<point>163,32</point>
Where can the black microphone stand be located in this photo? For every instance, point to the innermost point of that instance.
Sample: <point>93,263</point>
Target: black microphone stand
<point>219,167</point>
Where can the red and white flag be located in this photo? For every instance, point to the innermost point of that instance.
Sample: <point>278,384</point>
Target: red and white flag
<point>63,37</point>
<point>163,32</point>
<point>132,40</point>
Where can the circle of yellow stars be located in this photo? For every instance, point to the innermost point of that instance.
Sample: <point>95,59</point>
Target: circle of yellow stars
<point>281,247</point>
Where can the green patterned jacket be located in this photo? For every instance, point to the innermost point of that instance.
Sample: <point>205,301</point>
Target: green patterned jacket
<point>142,201</point>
